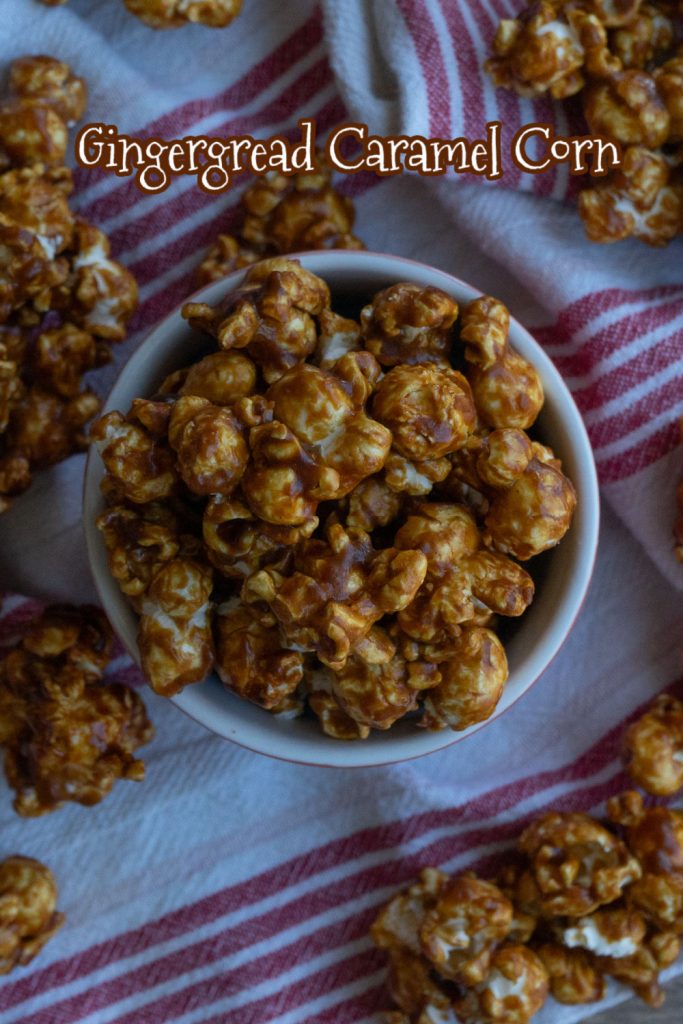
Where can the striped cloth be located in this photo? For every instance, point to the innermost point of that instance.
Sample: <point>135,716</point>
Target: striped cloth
<point>229,888</point>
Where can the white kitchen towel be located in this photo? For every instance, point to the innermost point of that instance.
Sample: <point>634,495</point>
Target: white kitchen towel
<point>228,887</point>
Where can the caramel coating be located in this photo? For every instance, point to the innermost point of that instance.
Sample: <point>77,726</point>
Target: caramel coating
<point>643,38</point>
<point>574,975</point>
<point>534,514</point>
<point>221,377</point>
<point>28,274</point>
<point>11,387</point>
<point>45,429</point>
<point>28,910</point>
<point>507,389</point>
<point>471,683</point>
<point>15,477</point>
<point>139,540</point>
<point>640,199</point>
<point>176,13</point>
<point>398,924</point>
<point>295,213</point>
<point>62,355</point>
<point>463,581</point>
<point>641,969</point>
<point>514,990</point>
<point>141,464</point>
<point>239,543</point>
<point>211,452</point>
<point>225,255</point>
<point>444,533</point>
<point>654,747</point>
<point>337,434</point>
<point>669,80</point>
<point>338,589</point>
<point>65,735</point>
<point>428,409</point>
<point>372,503</point>
<point>543,51</point>
<point>655,837</point>
<point>412,987</point>
<point>374,694</point>
<point>32,132</point>
<point>174,638</point>
<point>37,202</point>
<point>628,109</point>
<point>283,214</point>
<point>612,933</point>
<point>333,721</point>
<point>407,324</point>
<point>270,315</point>
<point>459,934</point>
<point>283,484</point>
<point>575,866</point>
<point>100,294</point>
<point>51,81</point>
<point>251,660</point>
<point>338,336</point>
<point>415,478</point>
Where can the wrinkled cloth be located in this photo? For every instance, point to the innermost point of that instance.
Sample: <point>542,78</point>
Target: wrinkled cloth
<point>228,887</point>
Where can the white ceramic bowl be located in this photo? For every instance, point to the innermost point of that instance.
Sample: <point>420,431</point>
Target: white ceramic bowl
<point>535,639</point>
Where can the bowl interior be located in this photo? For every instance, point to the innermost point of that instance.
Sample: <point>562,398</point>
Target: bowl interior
<point>562,575</point>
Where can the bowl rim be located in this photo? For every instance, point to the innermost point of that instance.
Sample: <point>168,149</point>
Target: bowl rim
<point>585,560</point>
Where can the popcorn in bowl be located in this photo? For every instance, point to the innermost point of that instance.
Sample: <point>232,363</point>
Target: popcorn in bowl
<point>311,492</point>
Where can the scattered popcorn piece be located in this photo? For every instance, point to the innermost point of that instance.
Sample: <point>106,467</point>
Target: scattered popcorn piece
<point>28,910</point>
<point>468,950</point>
<point>575,866</point>
<point>459,934</point>
<point>176,13</point>
<point>655,837</point>
<point>65,735</point>
<point>627,108</point>
<point>574,974</point>
<point>642,198</point>
<point>283,214</point>
<point>294,213</point>
<point>654,746</point>
<point>537,53</point>
<point>515,988</point>
<point>51,81</point>
<point>624,60</point>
